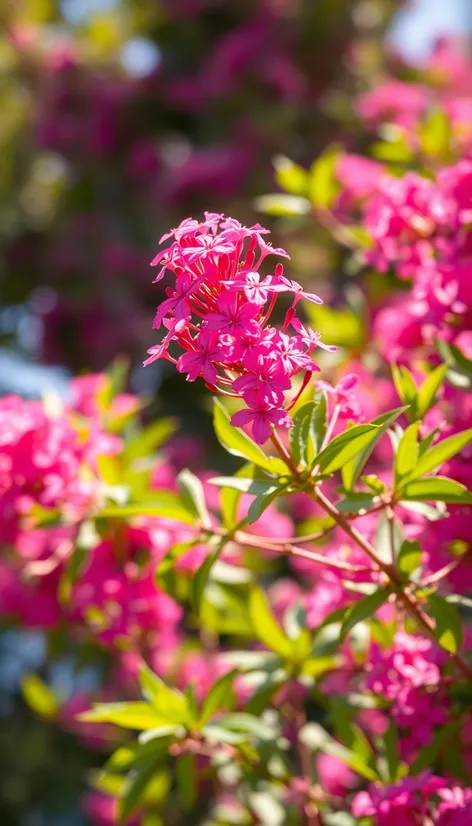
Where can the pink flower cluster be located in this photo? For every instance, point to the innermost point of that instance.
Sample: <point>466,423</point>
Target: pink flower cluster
<point>218,312</point>
<point>50,485</point>
<point>415,801</point>
<point>409,676</point>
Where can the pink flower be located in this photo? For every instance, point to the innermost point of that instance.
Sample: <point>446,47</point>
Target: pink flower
<point>232,316</point>
<point>218,312</point>
<point>199,362</point>
<point>455,808</point>
<point>262,416</point>
<point>254,289</point>
<point>343,396</point>
<point>405,804</point>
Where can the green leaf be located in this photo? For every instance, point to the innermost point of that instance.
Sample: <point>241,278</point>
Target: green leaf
<point>323,184</point>
<point>355,501</point>
<point>235,440</point>
<point>109,469</point>
<point>360,611</point>
<point>459,372</point>
<point>317,739</point>
<point>428,511</point>
<point>202,576</point>
<point>428,390</point>
<point>345,446</point>
<point>317,666</point>
<point>116,376</point>
<point>392,752</point>
<point>164,503</point>
<point>395,152</point>
<point>374,483</point>
<point>39,697</point>
<point>348,732</point>
<point>435,133</point>
<point>134,790</point>
<point>249,724</point>
<point>301,434</point>
<point>406,389</point>
<point>163,733</point>
<point>407,453</point>
<point>229,498</point>
<point>149,439</point>
<point>187,780</point>
<point>341,326</point>
<point>307,434</point>
<point>290,176</point>
<point>266,627</point>
<point>442,452</point>
<point>280,204</point>
<point>219,697</point>
<point>193,497</point>
<point>136,715</point>
<point>134,753</point>
<point>169,703</point>
<point>320,421</point>
<point>383,538</point>
<point>426,443</point>
<point>257,487</point>
<point>436,489</point>
<point>409,557</point>
<point>353,469</point>
<point>448,623</point>
<point>217,733</point>
<point>262,697</point>
<point>262,502</point>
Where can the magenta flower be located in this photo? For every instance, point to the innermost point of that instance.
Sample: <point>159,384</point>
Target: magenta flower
<point>232,316</point>
<point>262,416</point>
<point>406,804</point>
<point>218,313</point>
<point>295,287</point>
<point>200,361</point>
<point>254,289</point>
<point>343,396</point>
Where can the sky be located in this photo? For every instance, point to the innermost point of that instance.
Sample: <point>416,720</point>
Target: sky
<point>421,21</point>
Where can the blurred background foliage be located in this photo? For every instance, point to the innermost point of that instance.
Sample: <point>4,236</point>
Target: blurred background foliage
<point>118,119</point>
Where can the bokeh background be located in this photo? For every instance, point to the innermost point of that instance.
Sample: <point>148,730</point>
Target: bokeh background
<point>118,119</point>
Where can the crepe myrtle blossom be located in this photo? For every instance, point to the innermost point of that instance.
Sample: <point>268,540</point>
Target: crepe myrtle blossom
<point>217,312</point>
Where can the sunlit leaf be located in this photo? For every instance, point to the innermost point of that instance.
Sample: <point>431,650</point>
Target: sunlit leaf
<point>290,176</point>
<point>218,697</point>
<point>442,452</point>
<point>429,389</point>
<point>352,470</point>
<point>406,458</point>
<point>363,610</point>
<point>345,446</point>
<point>265,626</point>
<point>409,557</point>
<point>168,702</point>
<point>281,204</point>
<point>39,697</point>
<point>448,631</point>
<point>133,715</point>
<point>193,497</point>
<point>437,489</point>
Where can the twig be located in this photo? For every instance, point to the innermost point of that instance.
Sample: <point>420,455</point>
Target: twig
<point>410,601</point>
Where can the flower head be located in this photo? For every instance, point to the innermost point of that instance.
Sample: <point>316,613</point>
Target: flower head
<point>217,313</point>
